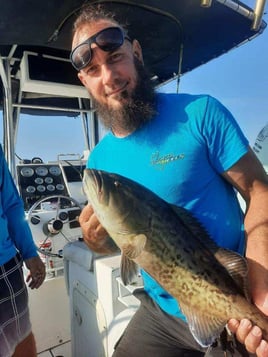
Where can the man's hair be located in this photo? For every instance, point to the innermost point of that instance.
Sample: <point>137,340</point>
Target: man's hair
<point>94,13</point>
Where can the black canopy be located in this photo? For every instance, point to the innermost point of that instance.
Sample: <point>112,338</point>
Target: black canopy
<point>162,26</point>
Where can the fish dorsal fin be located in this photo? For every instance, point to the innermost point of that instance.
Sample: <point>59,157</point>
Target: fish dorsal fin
<point>193,225</point>
<point>237,267</point>
<point>129,270</point>
<point>130,251</point>
<point>204,328</point>
<point>234,263</point>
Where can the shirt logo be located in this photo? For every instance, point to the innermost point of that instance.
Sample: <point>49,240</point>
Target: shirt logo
<point>162,161</point>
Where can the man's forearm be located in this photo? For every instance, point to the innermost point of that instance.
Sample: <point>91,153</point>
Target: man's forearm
<point>256,226</point>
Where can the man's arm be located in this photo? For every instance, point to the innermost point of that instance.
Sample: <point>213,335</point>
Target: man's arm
<point>250,179</point>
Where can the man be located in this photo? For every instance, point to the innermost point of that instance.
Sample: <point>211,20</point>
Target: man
<point>16,246</point>
<point>187,149</point>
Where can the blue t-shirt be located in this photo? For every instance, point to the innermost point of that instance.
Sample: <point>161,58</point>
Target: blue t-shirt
<point>180,156</point>
<point>15,234</point>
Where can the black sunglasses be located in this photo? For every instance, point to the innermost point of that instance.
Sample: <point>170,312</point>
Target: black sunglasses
<point>107,40</point>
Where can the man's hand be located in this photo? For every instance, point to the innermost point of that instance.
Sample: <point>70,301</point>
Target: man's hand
<point>95,236</point>
<point>37,272</point>
<point>246,333</point>
<point>250,336</point>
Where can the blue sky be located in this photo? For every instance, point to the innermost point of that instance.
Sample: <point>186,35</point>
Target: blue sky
<point>239,79</point>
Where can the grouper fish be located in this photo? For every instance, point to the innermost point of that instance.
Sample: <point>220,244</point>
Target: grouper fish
<point>208,282</point>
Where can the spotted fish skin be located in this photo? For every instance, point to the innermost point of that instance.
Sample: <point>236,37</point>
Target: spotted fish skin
<point>209,282</point>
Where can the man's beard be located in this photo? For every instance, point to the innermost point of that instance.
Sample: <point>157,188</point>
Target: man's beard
<point>137,107</point>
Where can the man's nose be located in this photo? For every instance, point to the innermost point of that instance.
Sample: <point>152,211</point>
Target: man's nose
<point>108,73</point>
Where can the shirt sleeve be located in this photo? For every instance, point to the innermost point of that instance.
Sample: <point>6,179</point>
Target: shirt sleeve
<point>13,218</point>
<point>225,140</point>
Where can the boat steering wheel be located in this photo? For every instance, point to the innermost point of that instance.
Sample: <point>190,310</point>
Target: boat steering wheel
<point>53,221</point>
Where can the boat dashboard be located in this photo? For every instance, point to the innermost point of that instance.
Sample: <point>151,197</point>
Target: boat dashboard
<point>53,197</point>
<point>40,180</point>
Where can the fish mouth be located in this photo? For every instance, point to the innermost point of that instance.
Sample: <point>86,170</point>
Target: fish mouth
<point>97,185</point>
<point>92,181</point>
<point>97,180</point>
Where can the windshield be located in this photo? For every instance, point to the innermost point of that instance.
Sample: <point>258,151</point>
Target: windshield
<point>49,136</point>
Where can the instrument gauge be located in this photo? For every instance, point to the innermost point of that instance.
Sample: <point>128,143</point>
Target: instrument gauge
<point>50,188</point>
<point>48,179</point>
<point>55,170</point>
<point>41,171</point>
<point>60,187</point>
<point>40,188</point>
<point>30,189</point>
<point>27,172</point>
<point>38,180</point>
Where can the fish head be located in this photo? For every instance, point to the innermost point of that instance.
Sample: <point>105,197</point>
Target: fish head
<point>117,202</point>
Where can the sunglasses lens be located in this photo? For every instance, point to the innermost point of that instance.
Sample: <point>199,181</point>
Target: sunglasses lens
<point>110,39</point>
<point>81,56</point>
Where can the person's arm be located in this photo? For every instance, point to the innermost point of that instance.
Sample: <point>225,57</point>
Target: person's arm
<point>17,227</point>
<point>250,179</point>
<point>95,236</point>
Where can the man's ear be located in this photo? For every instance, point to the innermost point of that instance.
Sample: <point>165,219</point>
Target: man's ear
<point>81,77</point>
<point>137,51</point>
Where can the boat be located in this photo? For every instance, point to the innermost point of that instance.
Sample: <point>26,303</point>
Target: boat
<point>83,306</point>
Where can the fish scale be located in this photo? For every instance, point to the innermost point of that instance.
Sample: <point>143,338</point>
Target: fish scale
<point>208,282</point>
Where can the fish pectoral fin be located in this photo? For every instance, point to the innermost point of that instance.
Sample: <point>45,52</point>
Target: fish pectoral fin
<point>130,251</point>
<point>204,327</point>
<point>237,267</point>
<point>134,248</point>
<point>129,270</point>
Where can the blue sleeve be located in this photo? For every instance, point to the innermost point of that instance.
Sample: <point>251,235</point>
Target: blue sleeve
<point>12,212</point>
<point>225,140</point>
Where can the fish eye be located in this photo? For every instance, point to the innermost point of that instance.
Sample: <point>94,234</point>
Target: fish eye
<point>117,183</point>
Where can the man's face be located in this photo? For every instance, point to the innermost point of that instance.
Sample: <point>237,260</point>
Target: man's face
<point>117,82</point>
<point>110,77</point>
